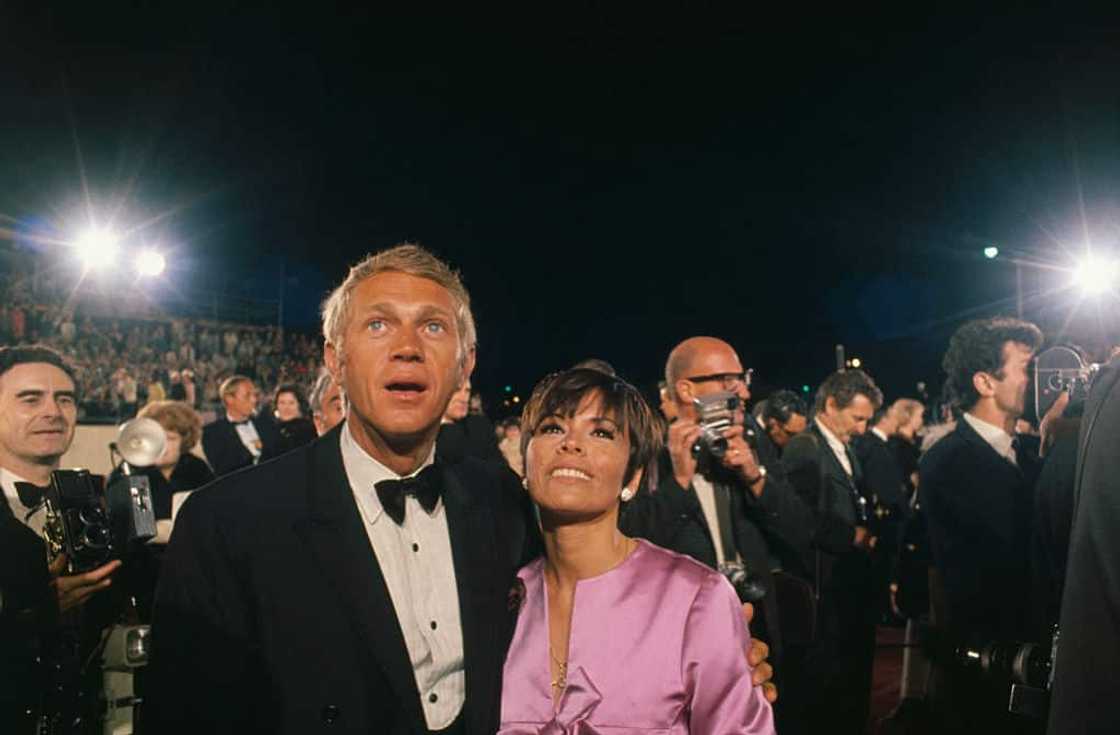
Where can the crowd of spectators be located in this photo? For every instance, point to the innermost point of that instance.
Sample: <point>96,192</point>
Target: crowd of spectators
<point>125,363</point>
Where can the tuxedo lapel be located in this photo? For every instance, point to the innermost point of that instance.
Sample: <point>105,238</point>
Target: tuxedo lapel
<point>337,539</point>
<point>471,526</point>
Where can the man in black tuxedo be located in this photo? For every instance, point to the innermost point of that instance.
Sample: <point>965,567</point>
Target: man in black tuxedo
<point>238,439</point>
<point>976,486</point>
<point>827,476</point>
<point>326,589</point>
<point>715,510</point>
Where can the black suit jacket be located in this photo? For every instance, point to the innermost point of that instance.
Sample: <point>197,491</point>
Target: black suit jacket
<point>272,614</point>
<point>472,436</point>
<point>978,508</point>
<point>671,516</point>
<point>226,452</point>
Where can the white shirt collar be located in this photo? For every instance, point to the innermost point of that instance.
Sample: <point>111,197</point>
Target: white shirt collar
<point>836,444</point>
<point>995,436</point>
<point>875,430</point>
<point>364,472</point>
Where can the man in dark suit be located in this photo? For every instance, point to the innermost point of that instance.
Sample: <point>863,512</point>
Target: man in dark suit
<point>1084,697</point>
<point>714,509</point>
<point>325,589</point>
<point>976,487</point>
<point>827,476</point>
<point>885,486</point>
<point>239,439</point>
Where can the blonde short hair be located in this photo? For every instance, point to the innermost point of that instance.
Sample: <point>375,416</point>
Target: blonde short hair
<point>229,385</point>
<point>175,416</point>
<point>904,410</point>
<point>413,260</point>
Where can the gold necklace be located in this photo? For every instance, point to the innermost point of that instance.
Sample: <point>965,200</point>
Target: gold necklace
<point>561,680</point>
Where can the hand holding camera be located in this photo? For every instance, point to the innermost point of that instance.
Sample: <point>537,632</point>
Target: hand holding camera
<point>74,589</point>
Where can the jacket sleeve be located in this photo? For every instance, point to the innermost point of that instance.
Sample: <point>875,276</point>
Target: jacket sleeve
<point>722,699</point>
<point>802,464</point>
<point>200,677</point>
<point>657,516</point>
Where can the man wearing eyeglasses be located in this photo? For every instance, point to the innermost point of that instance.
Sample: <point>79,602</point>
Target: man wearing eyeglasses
<point>732,508</point>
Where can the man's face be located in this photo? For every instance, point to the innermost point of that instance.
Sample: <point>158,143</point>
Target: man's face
<point>914,426</point>
<point>715,369</point>
<point>1010,391</point>
<point>782,433</point>
<point>460,403</point>
<point>400,361</point>
<point>851,420</point>
<point>331,413</point>
<point>243,401</point>
<point>38,410</point>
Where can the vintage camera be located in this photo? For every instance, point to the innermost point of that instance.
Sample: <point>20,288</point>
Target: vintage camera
<point>714,413</point>
<point>1028,667</point>
<point>1061,368</point>
<point>89,525</point>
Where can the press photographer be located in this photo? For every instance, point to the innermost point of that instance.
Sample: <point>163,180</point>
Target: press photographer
<point>976,488</point>
<point>38,406</point>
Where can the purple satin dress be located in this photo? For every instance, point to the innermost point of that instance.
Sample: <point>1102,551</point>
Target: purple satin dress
<point>656,646</point>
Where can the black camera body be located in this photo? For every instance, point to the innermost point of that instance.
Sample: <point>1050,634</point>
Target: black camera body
<point>94,526</point>
<point>714,413</point>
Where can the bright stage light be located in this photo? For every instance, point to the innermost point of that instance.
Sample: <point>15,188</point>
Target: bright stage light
<point>97,247</point>
<point>150,263</point>
<point>991,252</point>
<point>1095,276</point>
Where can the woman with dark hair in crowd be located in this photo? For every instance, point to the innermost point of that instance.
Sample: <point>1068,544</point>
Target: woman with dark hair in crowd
<point>295,429</point>
<point>176,469</point>
<point>653,640</point>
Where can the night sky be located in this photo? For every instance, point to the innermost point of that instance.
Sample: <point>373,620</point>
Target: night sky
<point>608,180</point>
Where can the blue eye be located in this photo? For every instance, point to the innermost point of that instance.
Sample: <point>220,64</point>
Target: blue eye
<point>376,325</point>
<point>434,328</point>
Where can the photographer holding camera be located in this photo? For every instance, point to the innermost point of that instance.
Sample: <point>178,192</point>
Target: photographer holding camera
<point>38,411</point>
<point>712,499</point>
<point>976,487</point>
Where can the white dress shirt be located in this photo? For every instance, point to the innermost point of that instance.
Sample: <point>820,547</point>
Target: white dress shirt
<point>249,436</point>
<point>33,520</point>
<point>416,560</point>
<point>706,494</point>
<point>996,437</point>
<point>875,430</point>
<point>836,446</point>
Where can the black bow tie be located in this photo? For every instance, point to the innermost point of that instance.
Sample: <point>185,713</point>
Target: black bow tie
<point>425,487</point>
<point>30,495</point>
<point>240,423</point>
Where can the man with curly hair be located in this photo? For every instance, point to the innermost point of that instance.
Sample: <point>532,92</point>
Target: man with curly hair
<point>976,489</point>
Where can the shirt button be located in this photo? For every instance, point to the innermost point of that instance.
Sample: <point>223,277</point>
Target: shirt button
<point>330,714</point>
<point>416,547</point>
<point>433,625</point>
<point>433,697</point>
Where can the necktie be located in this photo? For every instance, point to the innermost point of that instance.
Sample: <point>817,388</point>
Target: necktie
<point>425,487</point>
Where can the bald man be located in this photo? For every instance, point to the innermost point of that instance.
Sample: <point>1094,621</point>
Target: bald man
<point>732,508</point>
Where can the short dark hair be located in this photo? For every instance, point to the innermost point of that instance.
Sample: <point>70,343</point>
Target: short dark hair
<point>560,394</point>
<point>977,347</point>
<point>12,356</point>
<point>844,385</point>
<point>594,363</point>
<point>288,388</point>
<point>782,405</point>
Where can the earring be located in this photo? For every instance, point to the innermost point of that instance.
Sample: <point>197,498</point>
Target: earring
<point>626,494</point>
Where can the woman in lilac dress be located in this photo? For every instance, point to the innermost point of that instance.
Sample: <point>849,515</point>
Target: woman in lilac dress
<point>615,635</point>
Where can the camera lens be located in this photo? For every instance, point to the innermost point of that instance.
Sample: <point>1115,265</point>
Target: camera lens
<point>96,536</point>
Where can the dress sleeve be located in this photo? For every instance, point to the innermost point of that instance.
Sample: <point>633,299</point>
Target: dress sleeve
<point>722,699</point>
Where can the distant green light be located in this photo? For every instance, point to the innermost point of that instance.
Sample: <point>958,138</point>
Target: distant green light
<point>509,389</point>
<point>804,389</point>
